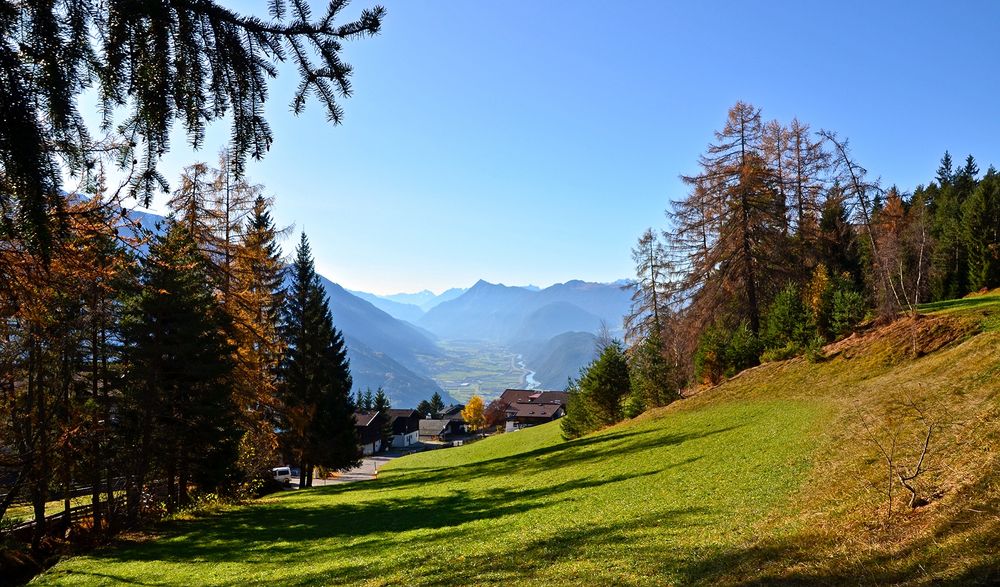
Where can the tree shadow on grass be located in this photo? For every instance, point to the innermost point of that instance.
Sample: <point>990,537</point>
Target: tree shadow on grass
<point>573,453</point>
<point>280,530</point>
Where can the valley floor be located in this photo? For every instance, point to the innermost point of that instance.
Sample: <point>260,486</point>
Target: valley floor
<point>774,477</point>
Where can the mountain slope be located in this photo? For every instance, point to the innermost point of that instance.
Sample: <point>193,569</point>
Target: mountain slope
<point>377,329</point>
<point>560,358</point>
<point>373,369</point>
<point>398,310</point>
<point>772,477</point>
<point>555,318</point>
<point>486,311</point>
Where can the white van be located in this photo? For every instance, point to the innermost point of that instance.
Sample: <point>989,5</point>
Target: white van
<point>282,475</point>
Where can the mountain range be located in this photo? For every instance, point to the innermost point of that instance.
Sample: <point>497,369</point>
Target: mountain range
<point>516,315</point>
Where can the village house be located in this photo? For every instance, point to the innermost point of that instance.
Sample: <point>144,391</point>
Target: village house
<point>440,429</point>
<point>527,407</point>
<point>369,426</point>
<point>405,427</point>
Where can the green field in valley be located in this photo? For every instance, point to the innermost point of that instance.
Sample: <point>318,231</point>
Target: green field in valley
<point>470,368</point>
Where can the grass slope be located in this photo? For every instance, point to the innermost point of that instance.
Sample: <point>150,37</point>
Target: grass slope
<point>770,478</point>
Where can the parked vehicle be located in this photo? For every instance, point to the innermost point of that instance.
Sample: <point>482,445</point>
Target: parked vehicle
<point>282,475</point>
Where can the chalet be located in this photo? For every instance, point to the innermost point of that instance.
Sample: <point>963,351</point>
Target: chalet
<point>439,429</point>
<point>454,413</point>
<point>405,427</point>
<point>527,407</point>
<point>369,426</point>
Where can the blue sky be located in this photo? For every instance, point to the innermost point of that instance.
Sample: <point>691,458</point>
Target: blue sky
<point>532,142</point>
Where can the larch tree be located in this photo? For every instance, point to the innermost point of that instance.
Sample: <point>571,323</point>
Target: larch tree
<point>258,293</point>
<point>732,210</point>
<point>650,293</point>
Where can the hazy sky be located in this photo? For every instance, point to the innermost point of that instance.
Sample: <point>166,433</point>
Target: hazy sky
<point>533,141</point>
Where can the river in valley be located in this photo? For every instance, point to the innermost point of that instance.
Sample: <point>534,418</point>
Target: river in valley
<point>529,375</point>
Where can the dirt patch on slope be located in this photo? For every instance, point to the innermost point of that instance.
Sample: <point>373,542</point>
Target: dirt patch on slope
<point>905,338</point>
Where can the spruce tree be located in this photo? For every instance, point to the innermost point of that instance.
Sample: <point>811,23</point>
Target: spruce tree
<point>180,399</point>
<point>382,405</point>
<point>981,232</point>
<point>654,376</point>
<point>436,405</point>
<point>316,380</point>
<point>154,63</point>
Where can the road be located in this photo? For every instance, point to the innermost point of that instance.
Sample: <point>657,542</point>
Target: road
<point>368,470</point>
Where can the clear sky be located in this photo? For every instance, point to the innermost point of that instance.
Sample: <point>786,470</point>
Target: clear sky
<point>532,141</point>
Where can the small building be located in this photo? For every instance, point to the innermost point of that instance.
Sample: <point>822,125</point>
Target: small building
<point>439,429</point>
<point>454,413</point>
<point>526,407</point>
<point>405,427</point>
<point>369,426</point>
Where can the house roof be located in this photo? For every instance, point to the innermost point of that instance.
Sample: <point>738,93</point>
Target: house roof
<point>453,412</point>
<point>430,427</point>
<point>514,396</point>
<point>528,410</point>
<point>393,414</point>
<point>532,403</point>
<point>364,419</point>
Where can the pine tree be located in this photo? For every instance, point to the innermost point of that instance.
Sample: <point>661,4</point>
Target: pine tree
<point>382,405</point>
<point>981,232</point>
<point>316,379</point>
<point>179,395</point>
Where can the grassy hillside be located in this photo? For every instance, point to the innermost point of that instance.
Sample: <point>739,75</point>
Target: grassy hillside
<point>772,477</point>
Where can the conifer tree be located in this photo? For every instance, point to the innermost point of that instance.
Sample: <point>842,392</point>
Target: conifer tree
<point>179,403</point>
<point>650,294</point>
<point>382,405</point>
<point>596,399</point>
<point>654,376</point>
<point>733,203</point>
<point>315,376</point>
<point>950,260</point>
<point>257,298</point>
<point>153,62</point>
<point>981,232</point>
<point>436,404</point>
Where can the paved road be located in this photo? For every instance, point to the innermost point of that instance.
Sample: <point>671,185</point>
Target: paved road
<point>368,470</point>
